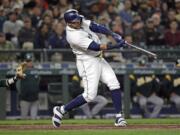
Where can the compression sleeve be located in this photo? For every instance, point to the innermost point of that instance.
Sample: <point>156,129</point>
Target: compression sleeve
<point>94,46</point>
<point>98,28</point>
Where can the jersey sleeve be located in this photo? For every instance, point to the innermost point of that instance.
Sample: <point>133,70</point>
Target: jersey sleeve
<point>86,23</point>
<point>82,40</point>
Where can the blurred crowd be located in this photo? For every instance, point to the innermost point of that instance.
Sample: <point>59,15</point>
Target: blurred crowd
<point>39,24</point>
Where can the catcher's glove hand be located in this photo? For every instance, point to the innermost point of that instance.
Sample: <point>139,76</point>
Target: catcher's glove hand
<point>20,70</point>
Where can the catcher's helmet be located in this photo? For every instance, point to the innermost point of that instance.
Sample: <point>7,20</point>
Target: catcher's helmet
<point>71,15</point>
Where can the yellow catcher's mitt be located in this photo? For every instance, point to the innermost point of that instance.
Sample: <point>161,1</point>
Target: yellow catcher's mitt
<point>20,70</point>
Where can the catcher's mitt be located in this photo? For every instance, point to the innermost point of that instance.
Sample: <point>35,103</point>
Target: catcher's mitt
<point>20,70</point>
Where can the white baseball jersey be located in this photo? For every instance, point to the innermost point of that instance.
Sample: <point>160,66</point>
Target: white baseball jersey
<point>80,39</point>
<point>90,67</point>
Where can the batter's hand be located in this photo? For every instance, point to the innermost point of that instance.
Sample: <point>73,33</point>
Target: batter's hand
<point>122,43</point>
<point>20,70</point>
<point>116,37</point>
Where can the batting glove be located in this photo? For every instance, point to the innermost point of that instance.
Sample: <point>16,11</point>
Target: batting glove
<point>121,43</point>
<point>20,70</point>
<point>116,37</point>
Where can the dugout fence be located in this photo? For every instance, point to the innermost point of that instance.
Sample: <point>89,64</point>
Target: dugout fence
<point>65,69</point>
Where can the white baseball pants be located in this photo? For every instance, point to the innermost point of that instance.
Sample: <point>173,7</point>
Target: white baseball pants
<point>92,71</point>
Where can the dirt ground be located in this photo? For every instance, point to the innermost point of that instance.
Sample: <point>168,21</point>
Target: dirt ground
<point>85,127</point>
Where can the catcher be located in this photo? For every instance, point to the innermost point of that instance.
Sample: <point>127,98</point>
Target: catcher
<point>19,75</point>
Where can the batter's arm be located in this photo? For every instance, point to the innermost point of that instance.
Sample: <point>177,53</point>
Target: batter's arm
<point>96,47</point>
<point>99,28</point>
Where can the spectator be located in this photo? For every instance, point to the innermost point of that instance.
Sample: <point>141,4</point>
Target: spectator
<point>2,18</point>
<point>117,25</point>
<point>42,35</point>
<point>171,16</point>
<point>111,11</point>
<point>35,13</point>
<point>127,14</point>
<point>178,10</point>
<point>6,45</point>
<point>46,19</point>
<point>93,10</point>
<point>138,33</point>
<point>56,12</point>
<point>117,5</point>
<point>159,28</point>
<point>144,10</point>
<point>152,36</point>
<point>65,5</point>
<point>58,39</point>
<point>28,92</point>
<point>17,8</point>
<point>27,33</point>
<point>100,101</point>
<point>171,4</point>
<point>11,27</point>
<point>164,12</point>
<point>172,36</point>
<point>7,5</point>
<point>144,89</point>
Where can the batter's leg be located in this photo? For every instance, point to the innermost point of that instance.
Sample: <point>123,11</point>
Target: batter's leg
<point>109,78</point>
<point>90,71</point>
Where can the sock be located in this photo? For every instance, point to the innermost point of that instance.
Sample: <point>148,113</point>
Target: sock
<point>116,98</point>
<point>76,102</point>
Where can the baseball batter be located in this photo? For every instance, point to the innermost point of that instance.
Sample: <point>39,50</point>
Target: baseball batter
<point>85,44</point>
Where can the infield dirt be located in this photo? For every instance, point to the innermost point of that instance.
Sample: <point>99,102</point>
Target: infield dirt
<point>87,127</point>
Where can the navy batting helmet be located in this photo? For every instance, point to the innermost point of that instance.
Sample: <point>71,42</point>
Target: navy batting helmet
<point>71,15</point>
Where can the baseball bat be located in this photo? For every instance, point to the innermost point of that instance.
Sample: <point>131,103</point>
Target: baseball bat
<point>143,50</point>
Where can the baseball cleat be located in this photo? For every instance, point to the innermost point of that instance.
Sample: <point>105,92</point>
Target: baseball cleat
<point>58,112</point>
<point>120,121</point>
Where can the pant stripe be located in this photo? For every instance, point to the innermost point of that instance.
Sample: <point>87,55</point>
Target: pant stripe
<point>86,79</point>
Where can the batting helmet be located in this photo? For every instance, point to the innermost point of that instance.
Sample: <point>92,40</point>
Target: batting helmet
<point>71,15</point>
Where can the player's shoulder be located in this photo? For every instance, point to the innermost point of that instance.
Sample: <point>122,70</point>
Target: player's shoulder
<point>86,22</point>
<point>74,36</point>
